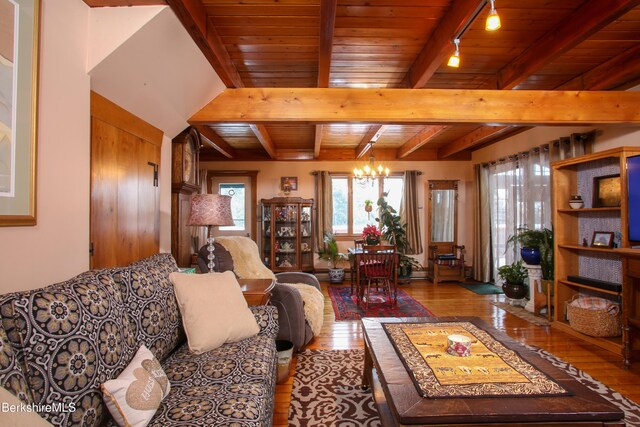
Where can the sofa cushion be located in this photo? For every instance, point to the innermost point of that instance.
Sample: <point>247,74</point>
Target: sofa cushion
<point>223,260</point>
<point>245,405</point>
<point>13,418</point>
<point>248,361</point>
<point>135,395</point>
<point>12,376</point>
<point>151,304</point>
<point>213,309</point>
<point>74,335</point>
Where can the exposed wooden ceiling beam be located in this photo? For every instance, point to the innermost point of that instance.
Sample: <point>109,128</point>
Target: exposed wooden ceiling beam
<point>424,106</point>
<point>606,76</point>
<point>420,139</point>
<point>117,3</point>
<point>590,17</point>
<point>265,140</point>
<point>372,135</point>
<point>478,136</point>
<point>193,16</point>
<point>327,28</point>
<point>440,44</point>
<point>609,75</point>
<point>216,142</point>
<point>318,140</point>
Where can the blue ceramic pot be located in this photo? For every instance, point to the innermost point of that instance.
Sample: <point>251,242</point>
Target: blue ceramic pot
<point>530,255</point>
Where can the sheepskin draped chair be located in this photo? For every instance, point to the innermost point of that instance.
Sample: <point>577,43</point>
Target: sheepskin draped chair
<point>286,295</point>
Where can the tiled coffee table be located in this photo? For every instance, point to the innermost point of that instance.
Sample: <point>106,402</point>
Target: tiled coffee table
<point>399,403</point>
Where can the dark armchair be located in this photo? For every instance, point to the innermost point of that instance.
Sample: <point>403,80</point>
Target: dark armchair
<point>287,299</point>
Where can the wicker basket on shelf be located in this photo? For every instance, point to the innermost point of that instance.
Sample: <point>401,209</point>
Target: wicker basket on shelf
<point>593,316</point>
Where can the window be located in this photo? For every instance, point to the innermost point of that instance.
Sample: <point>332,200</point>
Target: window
<point>349,216</point>
<point>237,204</point>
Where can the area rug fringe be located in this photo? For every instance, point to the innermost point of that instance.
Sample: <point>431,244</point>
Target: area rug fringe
<point>522,313</point>
<point>326,390</point>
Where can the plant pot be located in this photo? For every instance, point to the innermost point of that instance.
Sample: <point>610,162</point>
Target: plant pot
<point>336,275</point>
<point>368,208</point>
<point>404,274</point>
<point>372,241</point>
<point>516,291</point>
<point>530,255</point>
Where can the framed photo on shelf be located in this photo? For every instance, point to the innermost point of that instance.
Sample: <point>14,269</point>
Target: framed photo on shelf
<point>606,191</point>
<point>602,239</point>
<point>289,182</point>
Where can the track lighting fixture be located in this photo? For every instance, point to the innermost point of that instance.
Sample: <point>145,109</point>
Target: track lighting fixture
<point>492,24</point>
<point>493,20</point>
<point>454,59</point>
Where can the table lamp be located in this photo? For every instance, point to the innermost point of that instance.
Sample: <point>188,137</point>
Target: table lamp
<point>210,210</point>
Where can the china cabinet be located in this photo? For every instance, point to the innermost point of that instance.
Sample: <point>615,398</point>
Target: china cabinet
<point>287,234</point>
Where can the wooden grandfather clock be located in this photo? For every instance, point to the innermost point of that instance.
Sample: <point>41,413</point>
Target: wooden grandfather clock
<point>185,167</point>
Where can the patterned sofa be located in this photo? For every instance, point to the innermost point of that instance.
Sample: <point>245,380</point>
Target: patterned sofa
<point>59,343</point>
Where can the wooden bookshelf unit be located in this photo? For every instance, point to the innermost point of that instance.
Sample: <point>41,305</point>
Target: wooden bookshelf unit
<point>573,226</point>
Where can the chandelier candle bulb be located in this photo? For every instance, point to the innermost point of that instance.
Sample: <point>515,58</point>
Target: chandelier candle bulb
<point>459,345</point>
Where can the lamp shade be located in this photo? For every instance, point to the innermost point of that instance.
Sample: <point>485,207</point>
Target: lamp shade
<point>210,209</point>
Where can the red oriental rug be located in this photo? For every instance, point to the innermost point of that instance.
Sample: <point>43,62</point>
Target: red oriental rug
<point>346,307</point>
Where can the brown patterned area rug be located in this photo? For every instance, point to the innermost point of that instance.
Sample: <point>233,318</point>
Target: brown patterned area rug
<point>522,313</point>
<point>326,390</point>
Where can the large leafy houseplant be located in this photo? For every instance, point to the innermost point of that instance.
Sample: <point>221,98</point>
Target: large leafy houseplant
<point>396,234</point>
<point>514,277</point>
<point>538,239</point>
<point>330,253</point>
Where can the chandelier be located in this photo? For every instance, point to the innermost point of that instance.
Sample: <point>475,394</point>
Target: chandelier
<point>370,171</point>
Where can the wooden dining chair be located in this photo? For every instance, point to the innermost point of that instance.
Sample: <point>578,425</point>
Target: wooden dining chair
<point>378,267</point>
<point>357,248</point>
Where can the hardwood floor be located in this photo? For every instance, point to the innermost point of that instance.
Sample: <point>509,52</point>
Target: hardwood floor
<point>448,299</point>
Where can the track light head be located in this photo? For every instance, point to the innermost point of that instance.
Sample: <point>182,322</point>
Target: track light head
<point>454,59</point>
<point>493,20</point>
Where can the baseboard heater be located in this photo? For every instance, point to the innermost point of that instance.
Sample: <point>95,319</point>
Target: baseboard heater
<point>598,284</point>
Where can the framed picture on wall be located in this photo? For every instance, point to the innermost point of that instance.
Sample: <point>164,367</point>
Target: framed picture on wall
<point>289,183</point>
<point>606,191</point>
<point>18,121</point>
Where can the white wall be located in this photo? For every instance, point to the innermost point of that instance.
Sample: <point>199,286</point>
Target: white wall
<point>58,246</point>
<point>268,186</point>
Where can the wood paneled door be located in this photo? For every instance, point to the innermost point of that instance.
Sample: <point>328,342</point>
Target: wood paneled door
<point>125,196</point>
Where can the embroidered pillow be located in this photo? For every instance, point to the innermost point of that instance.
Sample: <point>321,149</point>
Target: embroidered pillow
<point>213,310</point>
<point>134,397</point>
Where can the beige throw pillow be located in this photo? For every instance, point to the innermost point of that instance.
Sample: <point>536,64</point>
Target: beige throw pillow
<point>14,413</point>
<point>213,310</point>
<point>134,397</point>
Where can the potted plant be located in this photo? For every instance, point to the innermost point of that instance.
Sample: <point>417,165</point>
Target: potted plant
<point>536,247</point>
<point>395,233</point>
<point>368,205</point>
<point>371,235</point>
<point>514,278</point>
<point>331,254</point>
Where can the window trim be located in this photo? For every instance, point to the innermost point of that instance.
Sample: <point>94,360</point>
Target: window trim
<point>350,235</point>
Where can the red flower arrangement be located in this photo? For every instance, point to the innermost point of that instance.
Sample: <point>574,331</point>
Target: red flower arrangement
<point>371,235</point>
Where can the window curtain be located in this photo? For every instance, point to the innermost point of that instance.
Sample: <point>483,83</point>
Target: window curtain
<point>482,259</point>
<point>324,206</point>
<point>409,214</point>
<point>520,197</point>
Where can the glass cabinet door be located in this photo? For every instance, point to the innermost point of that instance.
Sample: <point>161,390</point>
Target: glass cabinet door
<point>265,234</point>
<point>306,241</point>
<point>286,236</point>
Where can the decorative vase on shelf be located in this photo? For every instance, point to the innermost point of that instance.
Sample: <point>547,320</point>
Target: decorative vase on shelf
<point>576,202</point>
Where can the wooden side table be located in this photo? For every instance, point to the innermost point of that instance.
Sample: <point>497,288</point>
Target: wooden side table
<point>257,291</point>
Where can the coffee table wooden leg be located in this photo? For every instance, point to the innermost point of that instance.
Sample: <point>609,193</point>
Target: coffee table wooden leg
<point>368,366</point>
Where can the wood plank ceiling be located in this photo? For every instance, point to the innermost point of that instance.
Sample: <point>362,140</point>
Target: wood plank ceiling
<point>542,45</point>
